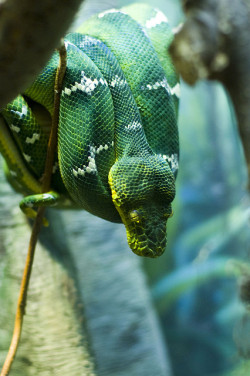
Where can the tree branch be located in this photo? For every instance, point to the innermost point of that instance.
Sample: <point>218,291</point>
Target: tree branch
<point>29,33</point>
<point>214,43</point>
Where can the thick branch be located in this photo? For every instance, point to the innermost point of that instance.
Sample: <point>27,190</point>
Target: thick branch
<point>214,43</point>
<point>29,32</point>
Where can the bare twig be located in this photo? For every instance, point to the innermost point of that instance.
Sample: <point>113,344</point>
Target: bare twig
<point>38,221</point>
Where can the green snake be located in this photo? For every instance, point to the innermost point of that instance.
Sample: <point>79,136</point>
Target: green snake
<point>117,153</point>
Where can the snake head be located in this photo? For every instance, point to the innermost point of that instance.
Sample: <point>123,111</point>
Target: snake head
<point>142,192</point>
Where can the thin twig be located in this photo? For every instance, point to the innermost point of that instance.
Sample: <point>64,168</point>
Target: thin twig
<point>40,213</point>
<point>53,133</point>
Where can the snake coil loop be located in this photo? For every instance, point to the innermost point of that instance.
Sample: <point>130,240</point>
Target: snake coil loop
<point>117,137</point>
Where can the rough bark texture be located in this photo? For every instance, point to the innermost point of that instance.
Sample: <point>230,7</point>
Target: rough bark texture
<point>214,43</point>
<point>29,32</point>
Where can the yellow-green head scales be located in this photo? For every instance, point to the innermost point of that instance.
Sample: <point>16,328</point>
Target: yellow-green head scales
<point>142,191</point>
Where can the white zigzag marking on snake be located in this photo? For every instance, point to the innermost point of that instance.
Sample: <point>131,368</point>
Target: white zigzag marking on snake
<point>134,125</point>
<point>31,140</point>
<point>90,40</point>
<point>176,90</point>
<point>163,83</point>
<point>172,160</point>
<point>156,20</point>
<point>27,157</point>
<point>86,85</point>
<point>118,81</point>
<point>23,113</point>
<point>15,128</point>
<point>91,166</point>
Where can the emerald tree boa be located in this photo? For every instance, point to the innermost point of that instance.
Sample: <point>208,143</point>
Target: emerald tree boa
<point>117,154</point>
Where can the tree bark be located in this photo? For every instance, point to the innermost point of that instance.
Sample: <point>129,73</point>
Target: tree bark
<point>214,43</point>
<point>29,32</point>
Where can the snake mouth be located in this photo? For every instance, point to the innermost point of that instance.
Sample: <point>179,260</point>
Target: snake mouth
<point>147,240</point>
<point>146,230</point>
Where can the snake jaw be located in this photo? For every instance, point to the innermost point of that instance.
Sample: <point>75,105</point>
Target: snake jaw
<point>147,236</point>
<point>146,227</point>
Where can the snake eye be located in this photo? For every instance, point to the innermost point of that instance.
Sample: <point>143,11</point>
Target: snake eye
<point>134,216</point>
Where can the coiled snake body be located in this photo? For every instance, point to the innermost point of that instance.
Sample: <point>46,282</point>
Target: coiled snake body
<point>117,138</point>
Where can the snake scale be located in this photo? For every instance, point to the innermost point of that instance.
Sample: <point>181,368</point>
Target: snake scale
<point>117,154</point>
